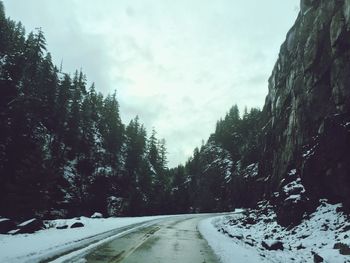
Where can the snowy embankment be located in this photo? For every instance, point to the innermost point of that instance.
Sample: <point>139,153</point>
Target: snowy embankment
<point>252,237</point>
<point>51,242</point>
<point>226,248</point>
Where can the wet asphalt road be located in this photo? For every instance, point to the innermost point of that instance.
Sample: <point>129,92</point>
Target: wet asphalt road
<point>175,239</point>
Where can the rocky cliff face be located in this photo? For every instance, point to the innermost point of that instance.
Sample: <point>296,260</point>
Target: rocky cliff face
<point>308,104</point>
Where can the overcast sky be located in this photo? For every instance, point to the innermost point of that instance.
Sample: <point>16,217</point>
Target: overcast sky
<point>178,64</point>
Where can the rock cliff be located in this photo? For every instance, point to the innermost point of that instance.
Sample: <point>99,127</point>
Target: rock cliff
<point>307,109</point>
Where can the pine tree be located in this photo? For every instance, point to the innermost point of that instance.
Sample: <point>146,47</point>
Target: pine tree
<point>136,180</point>
<point>153,154</point>
<point>34,49</point>
<point>180,198</point>
<point>48,86</point>
<point>111,129</point>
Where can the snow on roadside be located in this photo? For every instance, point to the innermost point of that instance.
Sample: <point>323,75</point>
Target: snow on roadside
<point>247,237</point>
<point>32,247</point>
<point>224,247</point>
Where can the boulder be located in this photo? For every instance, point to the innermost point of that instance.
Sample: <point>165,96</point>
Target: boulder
<point>97,215</point>
<point>272,245</point>
<point>345,228</point>
<point>6,225</point>
<point>77,224</point>
<point>14,232</point>
<point>291,214</point>
<point>291,204</point>
<point>115,206</point>
<point>250,242</point>
<point>62,227</point>
<point>250,221</point>
<point>300,246</point>
<point>343,248</point>
<point>237,236</point>
<point>317,257</point>
<point>30,226</point>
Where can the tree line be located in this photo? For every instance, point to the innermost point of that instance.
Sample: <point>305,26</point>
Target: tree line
<point>64,150</point>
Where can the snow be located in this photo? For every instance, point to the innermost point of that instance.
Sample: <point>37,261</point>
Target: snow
<point>310,152</point>
<point>104,170</point>
<point>13,232</point>
<point>152,169</point>
<point>49,242</point>
<point>292,172</point>
<point>346,125</point>
<point>224,247</point>
<point>294,187</point>
<point>69,170</point>
<point>26,222</point>
<point>4,219</point>
<point>97,215</point>
<point>270,243</point>
<point>251,170</point>
<point>294,198</point>
<point>231,238</point>
<point>294,191</point>
<point>239,210</point>
<point>218,159</point>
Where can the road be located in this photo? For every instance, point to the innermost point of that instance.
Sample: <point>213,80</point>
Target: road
<point>174,239</point>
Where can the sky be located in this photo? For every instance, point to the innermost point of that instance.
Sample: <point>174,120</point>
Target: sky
<point>179,65</point>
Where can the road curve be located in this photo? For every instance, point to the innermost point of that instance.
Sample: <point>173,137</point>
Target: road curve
<point>174,239</point>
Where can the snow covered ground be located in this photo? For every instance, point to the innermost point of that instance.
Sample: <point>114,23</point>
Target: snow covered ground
<point>225,248</point>
<point>239,237</point>
<point>243,236</point>
<point>49,242</point>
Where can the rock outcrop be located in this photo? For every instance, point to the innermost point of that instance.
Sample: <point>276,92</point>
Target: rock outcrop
<point>6,225</point>
<point>30,226</point>
<point>307,109</point>
<point>77,225</point>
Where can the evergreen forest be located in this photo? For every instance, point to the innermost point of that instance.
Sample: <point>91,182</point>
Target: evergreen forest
<point>64,150</point>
